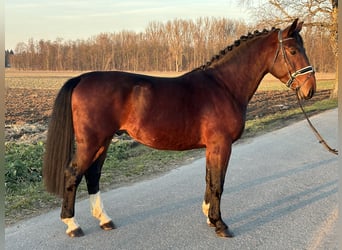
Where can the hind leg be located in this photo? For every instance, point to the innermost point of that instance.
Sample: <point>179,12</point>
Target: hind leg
<point>92,176</point>
<point>72,179</point>
<point>85,155</point>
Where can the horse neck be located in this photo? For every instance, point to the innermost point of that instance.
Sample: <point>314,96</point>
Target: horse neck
<point>242,73</point>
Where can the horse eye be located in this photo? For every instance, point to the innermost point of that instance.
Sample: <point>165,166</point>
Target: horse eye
<point>293,52</point>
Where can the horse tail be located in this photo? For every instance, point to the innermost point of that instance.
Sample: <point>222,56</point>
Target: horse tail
<point>60,140</point>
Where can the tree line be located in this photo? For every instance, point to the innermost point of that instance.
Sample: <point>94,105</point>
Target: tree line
<point>177,45</point>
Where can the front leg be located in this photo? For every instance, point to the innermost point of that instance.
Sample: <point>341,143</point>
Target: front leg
<point>217,157</point>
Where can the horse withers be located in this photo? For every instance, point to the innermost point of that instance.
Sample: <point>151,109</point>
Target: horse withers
<point>204,108</point>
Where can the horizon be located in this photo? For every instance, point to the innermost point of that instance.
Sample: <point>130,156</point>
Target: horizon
<point>85,19</point>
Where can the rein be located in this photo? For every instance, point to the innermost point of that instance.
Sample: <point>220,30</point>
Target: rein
<point>318,135</point>
<point>289,83</point>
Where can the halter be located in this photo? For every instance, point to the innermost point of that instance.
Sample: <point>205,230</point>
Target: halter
<point>302,71</point>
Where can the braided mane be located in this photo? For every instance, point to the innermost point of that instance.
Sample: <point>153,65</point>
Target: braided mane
<point>236,43</point>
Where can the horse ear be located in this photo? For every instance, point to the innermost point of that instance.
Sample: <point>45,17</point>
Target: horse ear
<point>295,27</point>
<point>299,26</point>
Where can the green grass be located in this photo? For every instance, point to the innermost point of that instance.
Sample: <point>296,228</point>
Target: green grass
<point>282,119</point>
<point>325,84</point>
<point>23,165</point>
<point>23,180</point>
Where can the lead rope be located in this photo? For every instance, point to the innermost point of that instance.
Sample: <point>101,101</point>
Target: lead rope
<point>319,137</point>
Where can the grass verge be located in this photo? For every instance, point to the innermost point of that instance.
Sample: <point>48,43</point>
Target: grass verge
<point>282,119</point>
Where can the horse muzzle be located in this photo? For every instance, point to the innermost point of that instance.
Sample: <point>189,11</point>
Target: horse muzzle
<point>304,82</point>
<point>305,95</point>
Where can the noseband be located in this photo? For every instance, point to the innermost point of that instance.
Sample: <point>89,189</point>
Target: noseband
<point>292,76</point>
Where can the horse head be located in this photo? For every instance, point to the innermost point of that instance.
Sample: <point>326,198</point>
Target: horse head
<point>291,64</point>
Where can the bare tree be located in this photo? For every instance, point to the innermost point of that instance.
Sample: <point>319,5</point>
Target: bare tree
<point>178,45</point>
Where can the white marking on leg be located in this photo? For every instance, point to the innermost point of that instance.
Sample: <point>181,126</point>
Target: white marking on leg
<point>71,223</point>
<point>205,209</point>
<point>97,210</point>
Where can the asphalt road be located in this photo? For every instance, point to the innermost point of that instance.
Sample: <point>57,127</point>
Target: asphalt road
<point>280,193</point>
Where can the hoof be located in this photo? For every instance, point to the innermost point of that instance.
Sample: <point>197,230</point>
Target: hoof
<point>225,233</point>
<point>78,232</point>
<point>108,226</point>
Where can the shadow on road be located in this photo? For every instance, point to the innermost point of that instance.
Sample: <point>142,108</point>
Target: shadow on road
<point>255,217</point>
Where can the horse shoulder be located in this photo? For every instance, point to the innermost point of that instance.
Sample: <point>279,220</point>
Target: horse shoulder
<point>225,116</point>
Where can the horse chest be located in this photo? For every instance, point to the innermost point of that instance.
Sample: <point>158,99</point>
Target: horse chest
<point>229,120</point>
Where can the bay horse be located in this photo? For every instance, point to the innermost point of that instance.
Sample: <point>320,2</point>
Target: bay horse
<point>204,108</point>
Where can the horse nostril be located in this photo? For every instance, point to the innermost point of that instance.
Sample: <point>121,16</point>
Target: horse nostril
<point>311,93</point>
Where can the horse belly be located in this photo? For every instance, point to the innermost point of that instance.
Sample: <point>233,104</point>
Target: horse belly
<point>156,120</point>
<point>157,134</point>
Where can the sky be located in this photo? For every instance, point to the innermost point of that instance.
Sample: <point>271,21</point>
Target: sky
<point>81,19</point>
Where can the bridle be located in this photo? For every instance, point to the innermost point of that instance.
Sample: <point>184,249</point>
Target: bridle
<point>289,83</point>
<point>292,76</point>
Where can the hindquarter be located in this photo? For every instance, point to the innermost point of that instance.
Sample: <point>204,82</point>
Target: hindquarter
<point>97,107</point>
